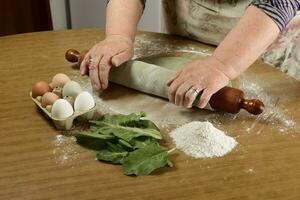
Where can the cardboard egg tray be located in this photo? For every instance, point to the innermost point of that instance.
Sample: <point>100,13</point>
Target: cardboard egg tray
<point>65,124</point>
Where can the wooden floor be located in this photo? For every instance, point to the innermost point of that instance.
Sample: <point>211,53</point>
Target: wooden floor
<point>37,164</point>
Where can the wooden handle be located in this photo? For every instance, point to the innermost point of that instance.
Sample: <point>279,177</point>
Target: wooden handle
<point>253,106</point>
<point>228,99</point>
<point>231,100</point>
<point>74,56</point>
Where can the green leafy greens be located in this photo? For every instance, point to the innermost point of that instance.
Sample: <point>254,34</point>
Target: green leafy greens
<point>143,161</point>
<point>129,140</point>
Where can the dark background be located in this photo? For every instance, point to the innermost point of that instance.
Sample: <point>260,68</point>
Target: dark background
<point>22,16</point>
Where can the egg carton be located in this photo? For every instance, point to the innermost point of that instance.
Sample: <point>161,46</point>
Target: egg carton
<point>65,124</point>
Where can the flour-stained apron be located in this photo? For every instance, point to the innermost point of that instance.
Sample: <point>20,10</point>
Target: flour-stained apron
<point>203,20</point>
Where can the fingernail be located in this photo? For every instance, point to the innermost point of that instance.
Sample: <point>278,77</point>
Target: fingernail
<point>116,64</point>
<point>103,87</point>
<point>95,87</point>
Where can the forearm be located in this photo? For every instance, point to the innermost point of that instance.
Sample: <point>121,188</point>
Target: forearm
<point>246,42</point>
<point>122,17</point>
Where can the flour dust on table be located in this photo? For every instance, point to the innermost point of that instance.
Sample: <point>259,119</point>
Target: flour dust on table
<point>202,140</point>
<point>65,151</point>
<point>274,114</point>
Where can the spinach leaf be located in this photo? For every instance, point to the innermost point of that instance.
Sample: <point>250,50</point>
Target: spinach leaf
<point>127,133</point>
<point>125,144</point>
<point>119,119</point>
<point>126,127</point>
<point>96,135</point>
<point>141,142</point>
<point>111,156</point>
<point>143,123</point>
<point>91,141</point>
<point>114,146</point>
<point>143,161</point>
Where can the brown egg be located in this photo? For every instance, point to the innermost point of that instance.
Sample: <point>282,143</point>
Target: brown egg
<point>40,88</point>
<point>59,80</point>
<point>48,99</point>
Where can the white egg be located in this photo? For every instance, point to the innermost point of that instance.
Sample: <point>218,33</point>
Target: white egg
<point>84,102</point>
<point>72,89</point>
<point>61,109</point>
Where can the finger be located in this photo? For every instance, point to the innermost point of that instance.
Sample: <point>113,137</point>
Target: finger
<point>180,93</point>
<point>205,97</point>
<point>173,88</point>
<point>94,74</point>
<point>104,68</point>
<point>176,75</point>
<point>84,64</point>
<point>84,67</point>
<point>121,57</point>
<point>191,95</point>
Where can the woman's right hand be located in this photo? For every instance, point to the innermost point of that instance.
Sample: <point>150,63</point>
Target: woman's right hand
<point>114,50</point>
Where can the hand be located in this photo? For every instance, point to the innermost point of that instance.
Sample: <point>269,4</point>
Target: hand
<point>113,51</point>
<point>201,75</point>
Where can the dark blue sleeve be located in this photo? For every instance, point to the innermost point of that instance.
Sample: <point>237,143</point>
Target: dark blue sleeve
<point>280,11</point>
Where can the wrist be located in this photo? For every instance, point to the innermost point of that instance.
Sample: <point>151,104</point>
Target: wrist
<point>125,38</point>
<point>228,70</point>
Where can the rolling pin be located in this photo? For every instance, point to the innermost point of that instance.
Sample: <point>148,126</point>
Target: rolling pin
<point>151,79</point>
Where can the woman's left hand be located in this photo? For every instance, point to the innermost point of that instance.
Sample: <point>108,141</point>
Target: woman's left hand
<point>201,75</point>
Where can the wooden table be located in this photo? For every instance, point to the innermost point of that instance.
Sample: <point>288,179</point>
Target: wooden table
<point>265,165</point>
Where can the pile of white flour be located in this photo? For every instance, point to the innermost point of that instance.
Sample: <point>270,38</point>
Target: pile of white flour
<point>202,140</point>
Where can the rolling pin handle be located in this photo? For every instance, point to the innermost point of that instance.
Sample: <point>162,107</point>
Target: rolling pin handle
<point>72,55</point>
<point>253,106</point>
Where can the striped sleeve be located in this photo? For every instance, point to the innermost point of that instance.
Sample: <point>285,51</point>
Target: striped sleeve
<point>280,11</point>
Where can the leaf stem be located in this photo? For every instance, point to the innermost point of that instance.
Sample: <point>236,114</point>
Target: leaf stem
<point>171,150</point>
